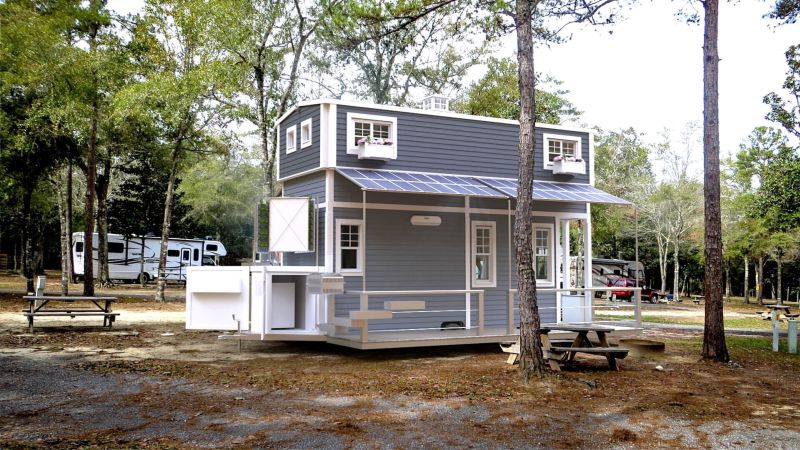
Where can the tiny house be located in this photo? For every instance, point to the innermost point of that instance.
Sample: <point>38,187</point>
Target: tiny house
<point>136,258</point>
<point>401,230</point>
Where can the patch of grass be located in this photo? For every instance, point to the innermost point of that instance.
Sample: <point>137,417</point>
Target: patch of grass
<point>736,322</point>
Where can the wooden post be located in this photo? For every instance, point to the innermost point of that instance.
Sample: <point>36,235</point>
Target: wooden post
<point>792,336</point>
<point>637,312</point>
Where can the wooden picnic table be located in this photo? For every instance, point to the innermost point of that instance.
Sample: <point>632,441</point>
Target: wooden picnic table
<point>560,352</point>
<point>776,311</point>
<point>37,304</point>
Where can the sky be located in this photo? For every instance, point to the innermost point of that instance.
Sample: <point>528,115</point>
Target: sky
<point>647,73</point>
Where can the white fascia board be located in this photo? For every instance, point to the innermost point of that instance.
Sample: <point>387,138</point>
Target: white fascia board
<point>405,109</point>
<point>591,159</point>
<point>323,132</point>
<point>277,155</point>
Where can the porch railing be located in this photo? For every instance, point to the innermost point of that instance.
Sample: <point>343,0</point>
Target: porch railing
<point>364,306</point>
<point>637,302</point>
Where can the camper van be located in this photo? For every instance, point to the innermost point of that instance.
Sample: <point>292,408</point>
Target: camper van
<point>126,261</point>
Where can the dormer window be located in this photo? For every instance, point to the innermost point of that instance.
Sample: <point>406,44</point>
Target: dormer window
<point>371,137</point>
<point>291,139</point>
<point>305,133</point>
<point>561,148</point>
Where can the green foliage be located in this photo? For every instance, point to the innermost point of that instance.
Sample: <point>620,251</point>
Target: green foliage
<point>785,11</point>
<point>778,199</point>
<point>622,168</point>
<point>497,95</point>
<point>787,113</point>
<point>221,192</point>
<point>395,47</point>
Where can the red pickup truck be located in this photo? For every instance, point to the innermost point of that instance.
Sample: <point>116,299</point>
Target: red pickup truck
<point>648,295</point>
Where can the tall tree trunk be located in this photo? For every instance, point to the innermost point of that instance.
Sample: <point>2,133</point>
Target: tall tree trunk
<point>662,261</point>
<point>714,346</point>
<point>760,281</point>
<point>142,276</point>
<point>91,173</point>
<point>531,358</point>
<point>27,239</point>
<point>162,258</point>
<point>779,260</point>
<point>63,221</point>
<point>746,280</point>
<point>103,182</point>
<point>727,283</point>
<point>676,272</point>
<point>70,212</point>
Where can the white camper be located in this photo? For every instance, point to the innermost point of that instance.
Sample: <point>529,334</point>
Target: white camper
<point>126,262</point>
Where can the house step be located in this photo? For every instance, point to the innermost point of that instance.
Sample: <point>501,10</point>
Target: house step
<point>344,322</point>
<point>375,314</point>
<point>404,305</point>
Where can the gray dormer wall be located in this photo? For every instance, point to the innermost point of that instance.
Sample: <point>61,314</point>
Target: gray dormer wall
<point>438,143</point>
<point>302,159</point>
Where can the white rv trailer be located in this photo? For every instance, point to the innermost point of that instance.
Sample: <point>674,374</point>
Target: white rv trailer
<point>125,256</point>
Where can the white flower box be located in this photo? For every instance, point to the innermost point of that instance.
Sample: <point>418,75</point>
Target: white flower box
<point>384,152</point>
<point>563,167</point>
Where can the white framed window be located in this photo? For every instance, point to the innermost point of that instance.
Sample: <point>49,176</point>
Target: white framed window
<point>291,139</point>
<point>543,253</point>
<point>484,254</point>
<point>349,246</point>
<point>361,126</point>
<point>305,133</point>
<point>557,145</point>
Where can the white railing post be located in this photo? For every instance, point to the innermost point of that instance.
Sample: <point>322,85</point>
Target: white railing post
<point>480,313</point>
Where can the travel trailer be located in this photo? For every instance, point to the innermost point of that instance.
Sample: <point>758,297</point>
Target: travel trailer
<point>395,229</point>
<point>125,261</point>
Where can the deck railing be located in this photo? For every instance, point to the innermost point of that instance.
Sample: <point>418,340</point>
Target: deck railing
<point>365,295</point>
<point>361,317</point>
<point>637,302</point>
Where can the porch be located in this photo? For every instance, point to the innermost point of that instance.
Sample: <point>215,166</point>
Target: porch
<point>355,332</point>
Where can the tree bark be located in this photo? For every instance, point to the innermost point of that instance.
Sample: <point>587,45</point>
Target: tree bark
<point>531,358</point>
<point>714,346</point>
<point>63,219</point>
<point>760,281</point>
<point>779,260</point>
<point>91,172</point>
<point>162,258</point>
<point>676,272</point>
<point>27,239</point>
<point>102,185</point>
<point>746,280</point>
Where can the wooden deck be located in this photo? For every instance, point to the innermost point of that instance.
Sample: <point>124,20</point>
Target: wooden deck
<point>433,338</point>
<point>411,338</point>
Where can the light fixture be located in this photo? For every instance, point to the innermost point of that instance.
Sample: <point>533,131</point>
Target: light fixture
<point>426,221</point>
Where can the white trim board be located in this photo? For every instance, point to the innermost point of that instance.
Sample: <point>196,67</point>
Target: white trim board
<point>454,209</point>
<point>451,114</point>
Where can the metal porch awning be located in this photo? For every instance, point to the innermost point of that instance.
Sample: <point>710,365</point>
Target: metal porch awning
<point>461,185</point>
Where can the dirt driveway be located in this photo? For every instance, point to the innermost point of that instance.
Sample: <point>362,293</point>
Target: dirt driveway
<point>149,383</point>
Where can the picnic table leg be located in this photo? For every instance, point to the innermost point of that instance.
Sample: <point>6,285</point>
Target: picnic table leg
<point>612,362</point>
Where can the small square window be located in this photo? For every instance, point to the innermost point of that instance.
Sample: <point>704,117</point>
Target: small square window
<point>305,133</point>
<point>291,139</point>
<point>349,247</point>
<point>557,146</point>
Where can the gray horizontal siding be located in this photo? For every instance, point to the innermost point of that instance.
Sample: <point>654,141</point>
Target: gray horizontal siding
<point>302,159</point>
<point>310,185</point>
<point>405,257</point>
<point>430,143</point>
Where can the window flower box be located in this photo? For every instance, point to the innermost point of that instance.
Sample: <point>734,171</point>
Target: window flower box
<point>568,166</point>
<point>372,148</point>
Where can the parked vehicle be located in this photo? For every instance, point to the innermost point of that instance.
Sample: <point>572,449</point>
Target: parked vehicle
<point>136,258</point>
<point>648,295</point>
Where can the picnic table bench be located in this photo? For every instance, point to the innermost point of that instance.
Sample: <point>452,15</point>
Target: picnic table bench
<point>36,308</point>
<point>561,352</point>
<point>696,299</point>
